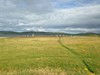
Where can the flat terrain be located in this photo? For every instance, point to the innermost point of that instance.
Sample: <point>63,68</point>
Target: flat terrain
<point>50,56</point>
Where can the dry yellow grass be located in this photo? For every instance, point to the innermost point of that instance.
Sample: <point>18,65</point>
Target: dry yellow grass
<point>46,56</point>
<point>39,71</point>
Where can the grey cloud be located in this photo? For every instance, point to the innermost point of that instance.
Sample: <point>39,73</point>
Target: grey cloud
<point>82,18</point>
<point>35,6</point>
<point>42,15</point>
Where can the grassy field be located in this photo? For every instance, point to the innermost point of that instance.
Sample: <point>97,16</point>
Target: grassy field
<point>50,56</point>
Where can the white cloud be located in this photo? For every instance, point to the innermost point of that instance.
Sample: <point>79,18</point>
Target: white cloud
<point>42,15</point>
<point>81,17</point>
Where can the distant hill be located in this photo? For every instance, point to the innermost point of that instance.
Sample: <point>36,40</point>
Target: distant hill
<point>88,34</point>
<point>32,33</point>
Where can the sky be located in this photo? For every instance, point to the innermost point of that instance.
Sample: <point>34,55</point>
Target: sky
<point>70,16</point>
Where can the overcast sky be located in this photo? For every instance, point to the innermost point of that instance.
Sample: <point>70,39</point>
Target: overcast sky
<point>71,16</point>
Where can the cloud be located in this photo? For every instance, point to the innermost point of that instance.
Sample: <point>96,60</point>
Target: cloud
<point>80,17</point>
<point>50,15</point>
<point>36,6</point>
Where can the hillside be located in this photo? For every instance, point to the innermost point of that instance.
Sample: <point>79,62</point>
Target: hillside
<point>33,33</point>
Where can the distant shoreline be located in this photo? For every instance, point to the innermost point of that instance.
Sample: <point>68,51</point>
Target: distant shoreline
<point>3,37</point>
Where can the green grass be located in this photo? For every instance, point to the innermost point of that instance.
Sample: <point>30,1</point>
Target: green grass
<point>87,49</point>
<point>46,56</point>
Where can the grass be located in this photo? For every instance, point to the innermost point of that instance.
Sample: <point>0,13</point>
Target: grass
<point>46,56</point>
<point>88,49</point>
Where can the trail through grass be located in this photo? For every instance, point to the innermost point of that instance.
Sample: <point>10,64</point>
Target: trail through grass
<point>88,66</point>
<point>87,49</point>
<point>44,55</point>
